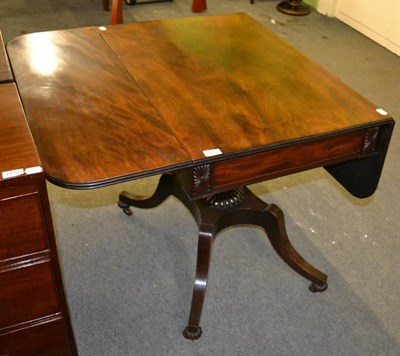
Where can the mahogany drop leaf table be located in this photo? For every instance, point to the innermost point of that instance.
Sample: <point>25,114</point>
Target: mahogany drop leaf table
<point>213,104</point>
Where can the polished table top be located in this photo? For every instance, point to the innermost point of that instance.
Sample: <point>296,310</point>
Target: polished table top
<point>111,104</point>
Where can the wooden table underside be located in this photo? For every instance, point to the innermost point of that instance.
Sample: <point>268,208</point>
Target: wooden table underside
<point>149,98</point>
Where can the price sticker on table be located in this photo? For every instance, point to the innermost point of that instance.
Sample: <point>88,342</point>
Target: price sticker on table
<point>213,152</point>
<point>12,173</point>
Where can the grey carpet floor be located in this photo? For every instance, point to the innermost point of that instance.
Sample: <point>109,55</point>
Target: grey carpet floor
<point>129,279</point>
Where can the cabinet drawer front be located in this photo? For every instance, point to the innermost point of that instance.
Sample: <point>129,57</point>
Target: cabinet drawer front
<point>27,293</point>
<point>22,226</point>
<point>46,339</point>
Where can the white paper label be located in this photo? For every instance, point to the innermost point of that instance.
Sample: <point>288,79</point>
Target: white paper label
<point>13,173</point>
<point>33,170</point>
<point>213,152</point>
<point>381,111</point>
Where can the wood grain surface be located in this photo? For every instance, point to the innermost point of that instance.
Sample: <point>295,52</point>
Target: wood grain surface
<point>227,82</point>
<point>130,100</point>
<point>90,120</point>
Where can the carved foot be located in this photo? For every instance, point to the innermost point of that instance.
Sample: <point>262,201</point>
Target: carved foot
<point>192,332</point>
<point>125,207</point>
<point>318,287</point>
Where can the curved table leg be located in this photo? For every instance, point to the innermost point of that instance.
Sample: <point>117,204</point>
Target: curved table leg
<point>270,217</point>
<point>239,206</point>
<point>275,228</point>
<point>162,192</point>
<point>206,235</point>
